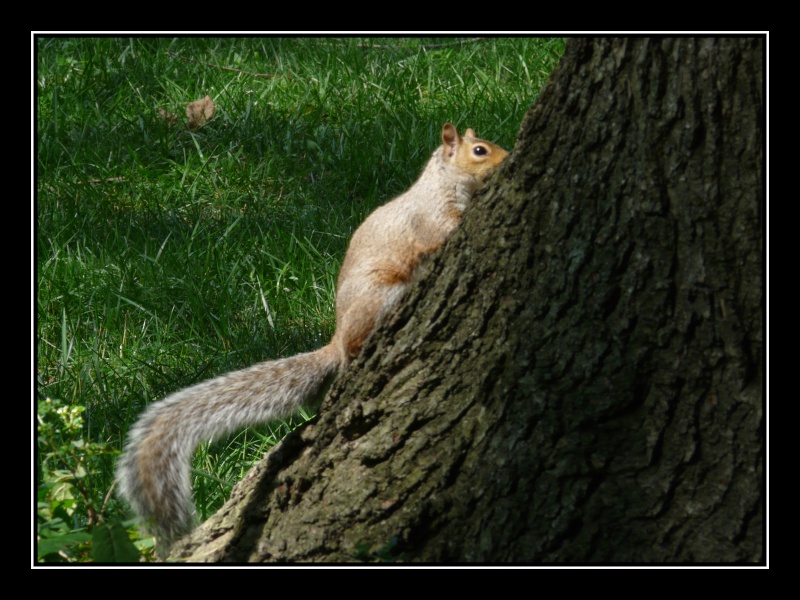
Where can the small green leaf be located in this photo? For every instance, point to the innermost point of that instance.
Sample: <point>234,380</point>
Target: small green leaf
<point>58,543</point>
<point>111,544</point>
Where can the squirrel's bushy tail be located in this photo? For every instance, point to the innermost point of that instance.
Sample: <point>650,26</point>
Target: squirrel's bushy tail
<point>154,470</point>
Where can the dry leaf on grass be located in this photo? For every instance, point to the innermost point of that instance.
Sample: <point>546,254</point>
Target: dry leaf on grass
<point>199,112</point>
<point>170,118</point>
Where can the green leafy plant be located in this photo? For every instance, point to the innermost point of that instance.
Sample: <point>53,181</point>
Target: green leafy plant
<point>71,520</point>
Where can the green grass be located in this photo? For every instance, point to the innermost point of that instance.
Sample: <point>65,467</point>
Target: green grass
<point>166,256</point>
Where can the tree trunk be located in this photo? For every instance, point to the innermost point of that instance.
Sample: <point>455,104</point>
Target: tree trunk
<point>577,377</point>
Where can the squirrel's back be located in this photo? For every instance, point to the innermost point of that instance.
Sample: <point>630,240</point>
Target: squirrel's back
<point>391,242</point>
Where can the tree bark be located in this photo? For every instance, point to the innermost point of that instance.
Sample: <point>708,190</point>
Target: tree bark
<point>577,377</point>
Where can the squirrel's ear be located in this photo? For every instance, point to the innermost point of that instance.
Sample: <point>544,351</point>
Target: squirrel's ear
<point>470,133</point>
<point>450,139</point>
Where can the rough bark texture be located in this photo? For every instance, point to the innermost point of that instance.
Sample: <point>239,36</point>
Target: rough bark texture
<point>578,376</point>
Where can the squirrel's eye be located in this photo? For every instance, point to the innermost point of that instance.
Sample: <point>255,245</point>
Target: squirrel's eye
<point>479,151</point>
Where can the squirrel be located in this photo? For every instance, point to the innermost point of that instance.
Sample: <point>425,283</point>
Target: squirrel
<point>154,470</point>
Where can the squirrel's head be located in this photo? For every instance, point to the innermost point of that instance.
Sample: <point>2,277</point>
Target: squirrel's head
<point>469,153</point>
